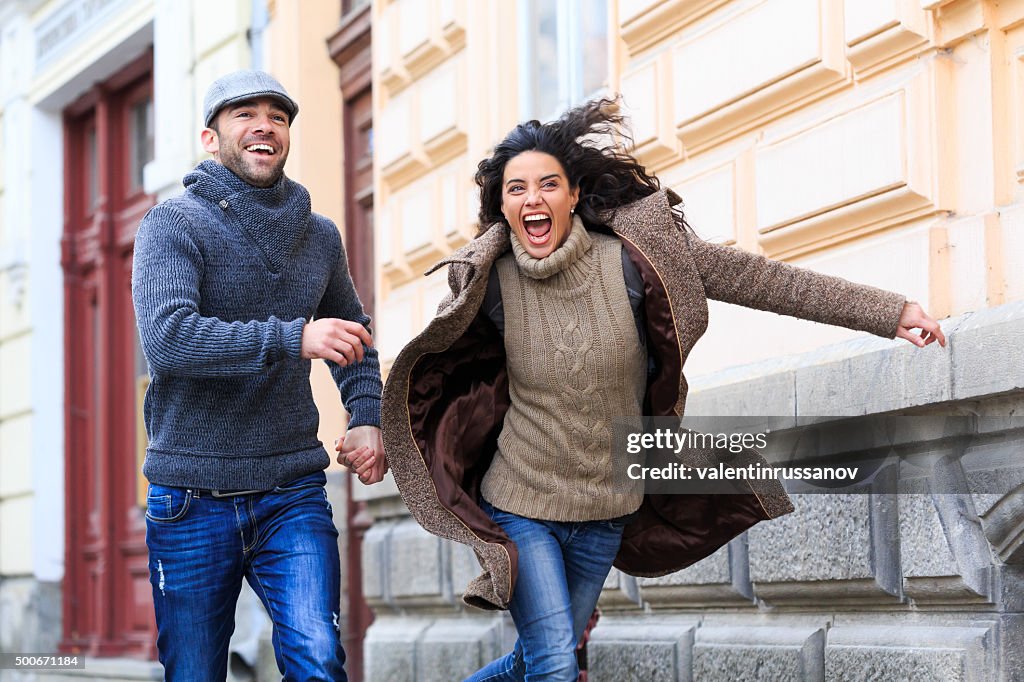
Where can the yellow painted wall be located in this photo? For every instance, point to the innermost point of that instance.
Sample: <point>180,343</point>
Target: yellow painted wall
<point>878,141</point>
<point>296,53</point>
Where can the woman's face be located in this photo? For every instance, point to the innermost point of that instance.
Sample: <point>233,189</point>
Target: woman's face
<point>536,199</point>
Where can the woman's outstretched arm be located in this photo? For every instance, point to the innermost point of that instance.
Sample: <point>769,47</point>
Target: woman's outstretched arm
<point>736,276</point>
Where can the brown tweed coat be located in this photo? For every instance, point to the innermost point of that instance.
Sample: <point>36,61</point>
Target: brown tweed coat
<point>447,392</point>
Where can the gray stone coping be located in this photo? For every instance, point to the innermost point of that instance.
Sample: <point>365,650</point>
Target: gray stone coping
<point>984,356</point>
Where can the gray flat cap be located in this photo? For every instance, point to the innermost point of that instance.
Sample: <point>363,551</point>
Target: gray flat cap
<point>243,85</point>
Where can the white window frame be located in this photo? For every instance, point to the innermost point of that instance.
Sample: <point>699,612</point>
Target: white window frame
<point>570,58</point>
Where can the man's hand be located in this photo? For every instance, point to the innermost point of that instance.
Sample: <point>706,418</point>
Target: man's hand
<point>361,449</point>
<point>340,341</point>
<point>914,317</point>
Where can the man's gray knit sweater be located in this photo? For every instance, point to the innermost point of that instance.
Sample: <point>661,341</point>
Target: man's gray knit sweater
<point>225,278</point>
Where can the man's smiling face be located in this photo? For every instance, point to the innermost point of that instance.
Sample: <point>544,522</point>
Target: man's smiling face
<point>251,139</point>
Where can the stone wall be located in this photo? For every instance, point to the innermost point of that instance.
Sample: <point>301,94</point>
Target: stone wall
<point>916,586</point>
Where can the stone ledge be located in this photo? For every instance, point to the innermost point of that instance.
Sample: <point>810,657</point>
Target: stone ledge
<point>868,375</point>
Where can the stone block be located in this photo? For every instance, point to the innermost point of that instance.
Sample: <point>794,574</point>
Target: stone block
<point>417,568</point>
<point>987,352</point>
<point>390,648</point>
<point>930,572</point>
<point>375,561</point>
<point>834,547</point>
<point>859,664</point>
<point>620,591</point>
<point>464,564</point>
<point>721,578</point>
<point>1003,523</point>
<point>767,392</point>
<point>1011,644</point>
<point>641,649</point>
<point>910,653</point>
<point>871,376</point>
<point>30,615</point>
<point>1009,594</point>
<point>990,486</point>
<point>454,648</point>
<point>746,652</point>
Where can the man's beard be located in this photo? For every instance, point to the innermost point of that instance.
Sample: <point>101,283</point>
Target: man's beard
<point>233,158</point>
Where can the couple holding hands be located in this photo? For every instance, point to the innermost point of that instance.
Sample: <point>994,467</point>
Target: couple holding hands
<point>578,302</point>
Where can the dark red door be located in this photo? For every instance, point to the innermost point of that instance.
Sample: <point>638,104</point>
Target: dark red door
<point>351,48</point>
<point>108,140</point>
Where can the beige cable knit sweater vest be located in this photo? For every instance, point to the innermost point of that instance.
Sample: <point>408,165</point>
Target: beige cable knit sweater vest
<point>574,364</point>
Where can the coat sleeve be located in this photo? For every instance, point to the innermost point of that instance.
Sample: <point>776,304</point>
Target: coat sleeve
<point>736,276</point>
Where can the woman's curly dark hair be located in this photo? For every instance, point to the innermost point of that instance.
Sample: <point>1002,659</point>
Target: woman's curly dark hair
<point>607,176</point>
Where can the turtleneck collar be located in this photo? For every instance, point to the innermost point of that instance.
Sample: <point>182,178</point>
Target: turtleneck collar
<point>575,246</point>
<point>275,217</point>
<point>214,181</point>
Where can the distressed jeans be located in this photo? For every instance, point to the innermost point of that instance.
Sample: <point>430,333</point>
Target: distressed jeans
<point>283,542</point>
<point>562,568</point>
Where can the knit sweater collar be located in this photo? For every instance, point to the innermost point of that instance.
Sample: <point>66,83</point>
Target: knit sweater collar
<point>567,258</point>
<point>274,217</point>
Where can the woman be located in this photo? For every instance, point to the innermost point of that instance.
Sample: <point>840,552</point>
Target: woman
<point>578,302</point>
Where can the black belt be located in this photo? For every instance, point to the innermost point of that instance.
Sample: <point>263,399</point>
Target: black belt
<point>201,492</point>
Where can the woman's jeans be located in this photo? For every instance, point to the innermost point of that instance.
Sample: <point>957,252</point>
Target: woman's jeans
<point>282,541</point>
<point>562,568</point>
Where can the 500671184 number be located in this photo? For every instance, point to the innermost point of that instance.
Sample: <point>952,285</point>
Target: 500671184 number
<point>13,661</point>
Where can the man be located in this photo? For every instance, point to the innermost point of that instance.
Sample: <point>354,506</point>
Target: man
<point>226,280</point>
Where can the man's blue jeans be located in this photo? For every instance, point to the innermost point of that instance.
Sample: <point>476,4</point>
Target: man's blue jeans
<point>282,541</point>
<point>562,568</point>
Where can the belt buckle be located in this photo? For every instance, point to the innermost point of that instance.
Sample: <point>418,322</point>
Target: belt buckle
<point>232,493</point>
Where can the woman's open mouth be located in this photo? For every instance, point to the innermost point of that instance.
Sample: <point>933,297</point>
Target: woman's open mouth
<point>537,227</point>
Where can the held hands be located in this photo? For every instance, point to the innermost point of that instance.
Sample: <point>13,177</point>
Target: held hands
<point>340,341</point>
<point>914,317</point>
<point>361,449</point>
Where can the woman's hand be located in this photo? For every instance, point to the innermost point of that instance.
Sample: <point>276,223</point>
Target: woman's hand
<point>914,317</point>
<point>362,451</point>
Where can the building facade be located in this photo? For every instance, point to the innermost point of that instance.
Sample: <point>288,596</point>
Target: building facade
<point>100,115</point>
<point>878,141</point>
